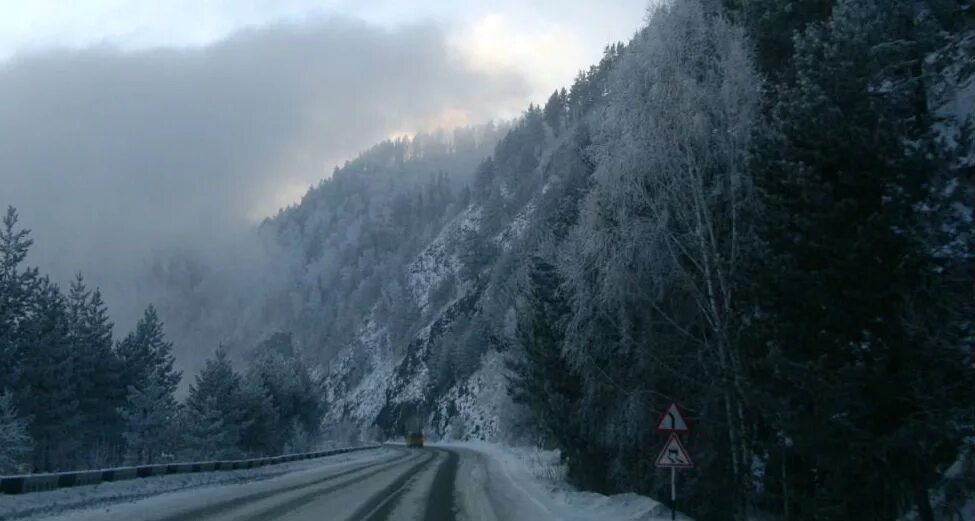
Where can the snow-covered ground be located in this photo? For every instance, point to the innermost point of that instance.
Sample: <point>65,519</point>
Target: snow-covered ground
<point>527,483</point>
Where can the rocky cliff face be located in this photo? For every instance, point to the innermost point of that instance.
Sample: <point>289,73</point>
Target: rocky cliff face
<point>375,385</point>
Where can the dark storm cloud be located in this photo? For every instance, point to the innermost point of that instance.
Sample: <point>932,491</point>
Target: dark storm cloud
<point>111,156</point>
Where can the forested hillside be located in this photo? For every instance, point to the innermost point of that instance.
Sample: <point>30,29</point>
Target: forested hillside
<point>761,208</point>
<point>74,397</point>
<point>316,268</point>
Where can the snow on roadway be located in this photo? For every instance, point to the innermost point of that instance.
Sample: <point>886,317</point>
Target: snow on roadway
<point>107,497</point>
<point>414,499</point>
<point>493,483</point>
<point>350,496</point>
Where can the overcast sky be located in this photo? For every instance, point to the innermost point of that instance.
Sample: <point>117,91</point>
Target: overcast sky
<point>133,126</point>
<point>547,40</point>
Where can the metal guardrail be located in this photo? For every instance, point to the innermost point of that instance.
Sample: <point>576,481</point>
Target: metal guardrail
<point>26,483</point>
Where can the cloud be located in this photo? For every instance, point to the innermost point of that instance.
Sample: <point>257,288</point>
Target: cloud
<point>113,155</point>
<point>548,55</point>
<point>547,41</point>
<point>40,24</point>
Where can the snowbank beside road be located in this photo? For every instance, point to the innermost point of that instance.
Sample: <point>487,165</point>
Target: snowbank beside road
<point>526,483</point>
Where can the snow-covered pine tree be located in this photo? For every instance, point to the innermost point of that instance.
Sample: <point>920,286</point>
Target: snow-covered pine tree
<point>261,420</point>
<point>97,368</point>
<point>556,109</point>
<point>772,25</point>
<point>859,363</point>
<point>49,383</point>
<point>149,413</point>
<point>146,351</point>
<point>207,432</point>
<point>106,386</point>
<point>146,362</point>
<point>299,438</point>
<point>288,382</point>
<point>214,413</point>
<point>15,442</point>
<point>17,285</point>
<point>542,380</point>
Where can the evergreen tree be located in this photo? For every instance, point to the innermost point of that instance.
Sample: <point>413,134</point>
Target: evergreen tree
<point>864,370</point>
<point>261,421</point>
<point>299,439</point>
<point>49,382</point>
<point>541,379</point>
<point>146,351</point>
<point>209,433</point>
<point>214,411</point>
<point>291,389</point>
<point>149,412</point>
<point>17,286</point>
<point>555,110</point>
<point>15,443</point>
<point>146,359</point>
<point>96,366</point>
<point>108,394</point>
<point>772,24</point>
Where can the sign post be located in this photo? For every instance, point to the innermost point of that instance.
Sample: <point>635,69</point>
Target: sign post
<point>673,456</point>
<point>673,493</point>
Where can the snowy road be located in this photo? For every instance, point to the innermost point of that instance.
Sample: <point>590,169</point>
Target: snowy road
<point>395,483</point>
<point>440,483</point>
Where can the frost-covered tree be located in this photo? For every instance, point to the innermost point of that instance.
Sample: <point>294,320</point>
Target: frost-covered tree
<point>209,433</point>
<point>299,439</point>
<point>214,411</point>
<point>542,380</point>
<point>146,361</point>
<point>17,286</point>
<point>285,377</point>
<point>48,384</point>
<point>15,442</point>
<point>145,351</point>
<point>44,360</point>
<point>149,412</point>
<point>864,373</point>
<point>261,421</point>
<point>654,261</point>
<point>98,373</point>
<point>556,110</point>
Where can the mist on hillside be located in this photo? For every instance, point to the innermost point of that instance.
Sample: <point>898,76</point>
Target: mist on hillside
<point>123,162</point>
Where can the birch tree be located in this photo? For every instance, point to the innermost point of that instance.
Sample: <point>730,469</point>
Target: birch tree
<point>662,234</point>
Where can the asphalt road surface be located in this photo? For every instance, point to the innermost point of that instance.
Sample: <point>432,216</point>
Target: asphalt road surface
<point>402,484</point>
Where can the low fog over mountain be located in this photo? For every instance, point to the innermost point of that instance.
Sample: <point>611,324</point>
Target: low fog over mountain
<point>726,250</point>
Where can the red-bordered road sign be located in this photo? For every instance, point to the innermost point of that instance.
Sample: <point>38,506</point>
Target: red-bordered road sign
<point>674,455</point>
<point>673,420</point>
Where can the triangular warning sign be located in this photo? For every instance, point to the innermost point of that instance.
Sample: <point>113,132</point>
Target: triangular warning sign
<point>674,455</point>
<point>672,420</point>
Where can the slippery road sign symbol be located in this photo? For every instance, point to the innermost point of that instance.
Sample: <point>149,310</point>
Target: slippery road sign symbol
<point>672,420</point>
<point>674,455</point>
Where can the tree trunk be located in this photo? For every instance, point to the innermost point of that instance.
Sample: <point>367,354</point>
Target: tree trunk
<point>736,461</point>
<point>923,502</point>
<point>785,488</point>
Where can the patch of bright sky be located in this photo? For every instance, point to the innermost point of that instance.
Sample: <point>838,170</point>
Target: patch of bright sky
<point>548,41</point>
<point>545,41</point>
